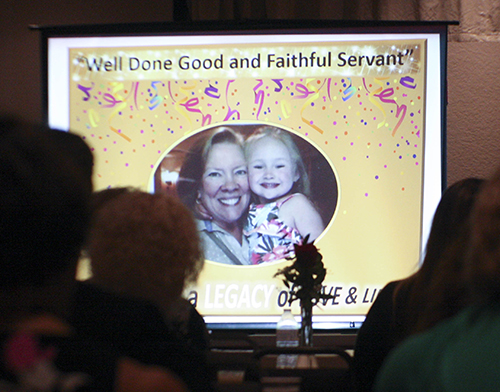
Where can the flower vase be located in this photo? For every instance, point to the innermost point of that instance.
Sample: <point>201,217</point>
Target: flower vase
<point>306,327</point>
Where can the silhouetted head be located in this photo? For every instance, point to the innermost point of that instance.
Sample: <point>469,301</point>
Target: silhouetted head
<point>45,186</point>
<point>483,261</point>
<point>143,245</point>
<point>451,218</point>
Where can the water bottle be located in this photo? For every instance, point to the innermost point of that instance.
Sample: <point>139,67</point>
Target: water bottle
<point>287,335</point>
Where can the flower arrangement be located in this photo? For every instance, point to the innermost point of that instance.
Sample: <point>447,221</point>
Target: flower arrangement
<point>304,277</point>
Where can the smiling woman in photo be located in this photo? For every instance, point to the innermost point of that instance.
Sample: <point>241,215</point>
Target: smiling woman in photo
<point>213,182</point>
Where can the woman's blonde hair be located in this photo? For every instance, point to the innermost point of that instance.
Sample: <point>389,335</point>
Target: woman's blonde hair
<point>144,245</point>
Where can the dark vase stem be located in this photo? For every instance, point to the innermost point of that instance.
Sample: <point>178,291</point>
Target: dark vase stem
<point>306,328</point>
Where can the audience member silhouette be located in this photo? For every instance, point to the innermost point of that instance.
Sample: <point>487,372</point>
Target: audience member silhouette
<point>407,306</point>
<point>145,247</point>
<point>183,257</point>
<point>461,353</point>
<point>44,205</point>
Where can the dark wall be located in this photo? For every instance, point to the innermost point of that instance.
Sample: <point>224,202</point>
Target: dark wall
<point>20,81</point>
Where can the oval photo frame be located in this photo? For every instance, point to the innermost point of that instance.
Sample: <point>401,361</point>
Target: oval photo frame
<point>324,184</point>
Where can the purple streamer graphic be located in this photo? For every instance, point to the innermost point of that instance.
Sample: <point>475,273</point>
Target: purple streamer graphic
<point>278,83</point>
<point>86,91</point>
<point>230,112</point>
<point>212,92</point>
<point>408,81</point>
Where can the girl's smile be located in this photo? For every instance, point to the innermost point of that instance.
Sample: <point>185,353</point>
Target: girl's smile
<point>271,170</point>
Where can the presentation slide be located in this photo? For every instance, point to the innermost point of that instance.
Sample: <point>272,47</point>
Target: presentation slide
<point>352,121</point>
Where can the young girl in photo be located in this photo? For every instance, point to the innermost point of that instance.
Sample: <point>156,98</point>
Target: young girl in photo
<point>282,214</point>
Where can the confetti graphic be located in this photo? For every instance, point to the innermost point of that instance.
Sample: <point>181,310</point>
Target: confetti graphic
<point>360,105</point>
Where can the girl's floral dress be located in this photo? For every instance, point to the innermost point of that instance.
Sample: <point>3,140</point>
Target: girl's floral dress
<point>269,238</point>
